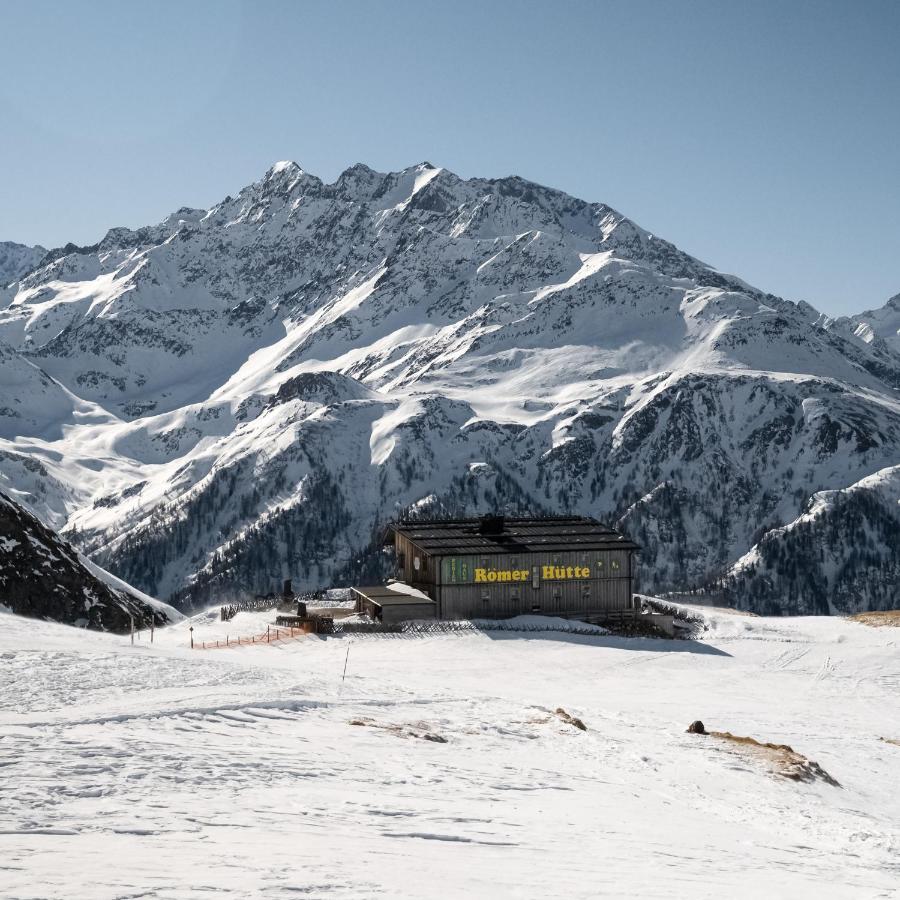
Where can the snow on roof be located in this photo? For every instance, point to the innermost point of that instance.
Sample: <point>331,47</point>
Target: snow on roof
<point>401,587</point>
<point>395,593</point>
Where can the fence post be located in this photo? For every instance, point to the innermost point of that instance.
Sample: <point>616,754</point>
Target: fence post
<point>267,634</point>
<point>192,638</point>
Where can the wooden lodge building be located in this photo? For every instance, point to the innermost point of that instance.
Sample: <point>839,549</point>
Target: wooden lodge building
<point>496,567</point>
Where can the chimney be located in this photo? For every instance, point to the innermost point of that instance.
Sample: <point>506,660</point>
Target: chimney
<point>491,525</point>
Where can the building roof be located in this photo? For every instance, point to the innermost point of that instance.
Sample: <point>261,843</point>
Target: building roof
<point>458,537</point>
<point>384,596</point>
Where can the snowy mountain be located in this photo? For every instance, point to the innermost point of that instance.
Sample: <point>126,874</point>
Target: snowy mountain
<point>44,577</point>
<point>844,544</point>
<point>248,392</point>
<point>876,326</point>
<point>18,259</point>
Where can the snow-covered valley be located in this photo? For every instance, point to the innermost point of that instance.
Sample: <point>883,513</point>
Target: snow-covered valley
<point>438,767</point>
<point>248,392</point>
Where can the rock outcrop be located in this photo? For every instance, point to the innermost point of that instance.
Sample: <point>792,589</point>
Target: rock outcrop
<point>42,576</point>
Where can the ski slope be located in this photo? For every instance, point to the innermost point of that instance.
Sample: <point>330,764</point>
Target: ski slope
<point>157,771</point>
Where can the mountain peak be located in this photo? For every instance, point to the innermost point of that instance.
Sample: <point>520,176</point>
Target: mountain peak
<point>17,260</point>
<point>287,172</point>
<point>359,168</point>
<point>284,165</point>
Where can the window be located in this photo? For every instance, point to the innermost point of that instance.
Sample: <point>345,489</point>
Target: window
<point>614,565</point>
<point>485,596</point>
<point>535,607</point>
<point>535,577</point>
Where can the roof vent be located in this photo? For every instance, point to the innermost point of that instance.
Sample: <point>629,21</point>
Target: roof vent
<point>491,525</point>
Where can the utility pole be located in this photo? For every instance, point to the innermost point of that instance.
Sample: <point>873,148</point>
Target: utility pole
<point>132,630</point>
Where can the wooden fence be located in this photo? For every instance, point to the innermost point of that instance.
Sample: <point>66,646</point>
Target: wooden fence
<point>262,604</point>
<point>271,635</point>
<point>276,634</point>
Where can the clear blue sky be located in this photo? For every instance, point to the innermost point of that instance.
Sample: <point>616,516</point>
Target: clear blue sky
<point>762,137</point>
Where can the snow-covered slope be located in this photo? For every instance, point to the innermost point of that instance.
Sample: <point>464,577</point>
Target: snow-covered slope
<point>844,544</point>
<point>248,392</point>
<point>44,577</point>
<point>439,766</point>
<point>18,259</point>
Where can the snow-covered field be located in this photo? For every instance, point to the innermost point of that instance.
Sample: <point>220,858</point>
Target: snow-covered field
<point>157,771</point>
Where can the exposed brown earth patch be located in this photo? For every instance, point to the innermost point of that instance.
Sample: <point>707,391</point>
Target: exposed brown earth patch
<point>418,730</point>
<point>889,618</point>
<point>561,714</point>
<point>780,759</point>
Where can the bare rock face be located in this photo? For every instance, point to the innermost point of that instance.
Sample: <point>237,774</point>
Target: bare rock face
<point>696,728</point>
<point>42,576</point>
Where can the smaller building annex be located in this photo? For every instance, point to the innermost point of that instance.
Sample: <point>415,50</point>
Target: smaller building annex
<point>393,603</point>
<point>496,566</point>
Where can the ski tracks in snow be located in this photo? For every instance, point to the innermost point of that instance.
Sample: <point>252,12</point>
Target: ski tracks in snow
<point>138,772</point>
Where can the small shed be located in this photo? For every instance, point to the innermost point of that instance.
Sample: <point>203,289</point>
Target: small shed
<point>393,603</point>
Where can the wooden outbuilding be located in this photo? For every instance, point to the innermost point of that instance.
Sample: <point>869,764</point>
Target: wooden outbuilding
<point>391,606</point>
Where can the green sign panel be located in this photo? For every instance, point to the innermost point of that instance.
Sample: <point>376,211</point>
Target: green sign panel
<point>455,570</point>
